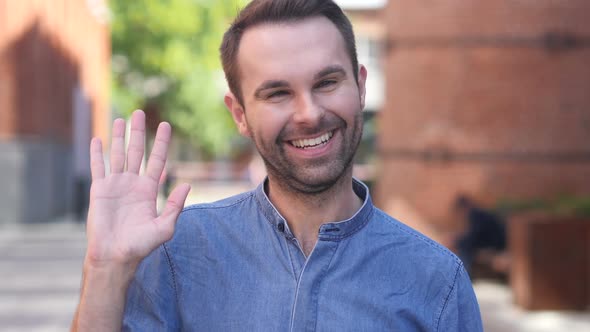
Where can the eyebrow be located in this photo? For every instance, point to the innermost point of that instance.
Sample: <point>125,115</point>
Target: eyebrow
<point>336,69</point>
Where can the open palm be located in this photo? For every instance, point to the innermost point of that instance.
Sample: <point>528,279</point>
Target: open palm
<point>123,223</point>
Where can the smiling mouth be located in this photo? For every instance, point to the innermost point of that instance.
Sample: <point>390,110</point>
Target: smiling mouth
<point>310,143</point>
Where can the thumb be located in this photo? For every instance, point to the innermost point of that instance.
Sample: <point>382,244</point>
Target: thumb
<point>174,205</point>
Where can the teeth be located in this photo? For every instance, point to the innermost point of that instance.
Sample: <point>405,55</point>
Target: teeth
<point>311,142</point>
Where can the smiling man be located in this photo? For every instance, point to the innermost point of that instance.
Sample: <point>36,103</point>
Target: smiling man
<point>301,103</point>
<point>306,250</point>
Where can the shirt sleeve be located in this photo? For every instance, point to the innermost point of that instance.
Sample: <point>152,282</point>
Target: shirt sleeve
<point>151,303</point>
<point>460,311</point>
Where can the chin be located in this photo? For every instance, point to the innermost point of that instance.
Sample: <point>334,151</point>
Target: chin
<point>317,181</point>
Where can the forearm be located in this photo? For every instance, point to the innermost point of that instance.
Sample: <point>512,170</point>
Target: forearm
<point>102,298</point>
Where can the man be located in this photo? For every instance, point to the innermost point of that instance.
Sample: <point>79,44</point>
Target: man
<point>306,250</point>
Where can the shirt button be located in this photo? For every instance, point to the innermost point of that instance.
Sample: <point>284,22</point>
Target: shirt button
<point>281,227</point>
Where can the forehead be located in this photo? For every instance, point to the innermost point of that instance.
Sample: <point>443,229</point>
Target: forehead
<point>290,50</point>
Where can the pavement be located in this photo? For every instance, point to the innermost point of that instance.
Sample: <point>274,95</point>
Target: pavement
<point>40,273</point>
<point>41,265</point>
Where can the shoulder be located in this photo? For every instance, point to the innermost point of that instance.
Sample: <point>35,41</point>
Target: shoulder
<point>197,219</point>
<point>421,258</point>
<point>225,203</point>
<point>427,262</point>
<point>420,244</point>
<point>233,204</point>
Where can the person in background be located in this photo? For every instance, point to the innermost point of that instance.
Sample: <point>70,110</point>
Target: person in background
<point>484,240</point>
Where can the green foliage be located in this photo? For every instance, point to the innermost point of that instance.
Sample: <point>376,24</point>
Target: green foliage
<point>165,53</point>
<point>563,205</point>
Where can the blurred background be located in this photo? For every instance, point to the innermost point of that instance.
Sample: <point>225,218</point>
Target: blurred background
<point>477,134</point>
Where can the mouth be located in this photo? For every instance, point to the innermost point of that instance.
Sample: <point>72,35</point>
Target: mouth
<point>311,143</point>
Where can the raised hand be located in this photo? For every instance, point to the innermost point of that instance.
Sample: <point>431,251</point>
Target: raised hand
<point>123,223</point>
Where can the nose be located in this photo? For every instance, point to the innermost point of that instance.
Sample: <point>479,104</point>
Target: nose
<point>308,111</point>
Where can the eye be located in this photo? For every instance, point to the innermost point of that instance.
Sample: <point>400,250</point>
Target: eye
<point>326,84</point>
<point>277,94</point>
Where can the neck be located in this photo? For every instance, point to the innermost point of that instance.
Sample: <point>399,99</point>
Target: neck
<point>305,213</point>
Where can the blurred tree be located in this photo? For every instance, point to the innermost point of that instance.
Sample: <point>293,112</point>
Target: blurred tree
<point>165,58</point>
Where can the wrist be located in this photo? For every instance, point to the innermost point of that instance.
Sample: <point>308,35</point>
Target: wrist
<point>115,272</point>
<point>103,294</point>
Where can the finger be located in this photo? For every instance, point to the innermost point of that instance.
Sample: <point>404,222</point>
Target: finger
<point>96,159</point>
<point>157,159</point>
<point>135,149</point>
<point>118,146</point>
<point>174,206</point>
<point>163,177</point>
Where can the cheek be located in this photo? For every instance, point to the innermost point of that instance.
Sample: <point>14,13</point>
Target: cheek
<point>344,102</point>
<point>266,123</point>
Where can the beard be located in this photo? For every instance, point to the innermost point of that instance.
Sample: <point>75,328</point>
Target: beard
<point>320,174</point>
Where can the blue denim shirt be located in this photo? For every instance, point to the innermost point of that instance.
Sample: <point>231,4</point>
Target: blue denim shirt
<point>234,265</point>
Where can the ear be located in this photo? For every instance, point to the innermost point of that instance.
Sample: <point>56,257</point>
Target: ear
<point>237,113</point>
<point>362,77</point>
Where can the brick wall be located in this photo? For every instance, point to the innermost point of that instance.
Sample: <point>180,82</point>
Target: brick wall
<point>52,52</point>
<point>488,98</point>
<point>46,49</point>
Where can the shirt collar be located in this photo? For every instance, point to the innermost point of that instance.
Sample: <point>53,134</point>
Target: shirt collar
<point>333,231</point>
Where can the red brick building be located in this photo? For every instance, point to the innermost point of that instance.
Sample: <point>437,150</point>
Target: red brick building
<point>487,98</point>
<point>54,64</point>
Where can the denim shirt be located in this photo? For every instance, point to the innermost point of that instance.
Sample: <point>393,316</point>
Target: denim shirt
<point>234,265</point>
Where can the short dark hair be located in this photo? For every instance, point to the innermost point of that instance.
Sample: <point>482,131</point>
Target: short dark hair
<point>464,202</point>
<point>272,11</point>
